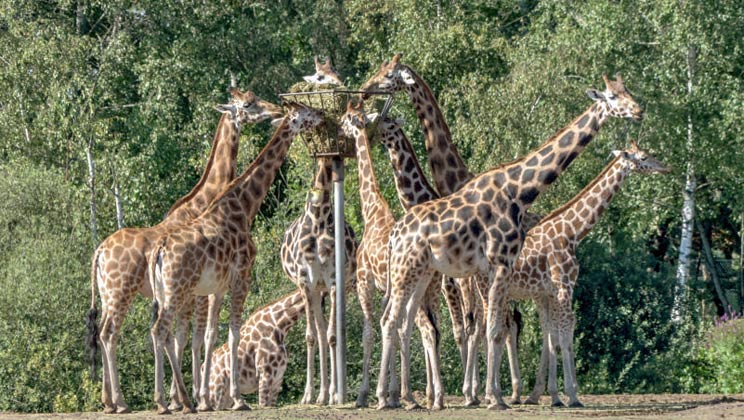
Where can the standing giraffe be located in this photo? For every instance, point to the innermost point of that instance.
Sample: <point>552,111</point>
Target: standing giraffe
<point>214,254</point>
<point>371,256</point>
<point>308,259</point>
<point>262,354</point>
<point>479,230</point>
<point>547,267</point>
<point>449,174</point>
<point>119,266</point>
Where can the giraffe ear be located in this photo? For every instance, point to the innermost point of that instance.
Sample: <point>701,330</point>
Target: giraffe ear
<point>617,153</point>
<point>226,108</point>
<point>400,121</point>
<point>372,117</point>
<point>276,122</point>
<point>595,95</point>
<point>407,77</point>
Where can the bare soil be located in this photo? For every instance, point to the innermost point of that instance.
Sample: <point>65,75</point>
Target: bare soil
<point>649,406</point>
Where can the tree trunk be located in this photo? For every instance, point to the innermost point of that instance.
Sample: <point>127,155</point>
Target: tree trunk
<point>92,186</point>
<point>688,206</point>
<point>119,209</point>
<point>710,264</point>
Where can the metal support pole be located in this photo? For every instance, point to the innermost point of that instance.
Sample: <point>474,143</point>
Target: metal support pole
<point>338,216</point>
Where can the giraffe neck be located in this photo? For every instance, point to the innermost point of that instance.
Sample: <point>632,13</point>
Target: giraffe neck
<point>447,168</point>
<point>282,314</point>
<point>242,198</point>
<point>373,204</point>
<point>525,179</point>
<point>292,309</point>
<point>585,209</point>
<point>220,170</point>
<point>322,182</point>
<point>410,180</point>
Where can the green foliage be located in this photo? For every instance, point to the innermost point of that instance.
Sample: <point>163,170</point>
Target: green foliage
<point>137,82</point>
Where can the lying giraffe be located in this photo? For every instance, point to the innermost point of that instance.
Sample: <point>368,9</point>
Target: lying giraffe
<point>308,259</point>
<point>214,254</point>
<point>547,267</point>
<point>119,264</point>
<point>479,230</point>
<point>262,354</point>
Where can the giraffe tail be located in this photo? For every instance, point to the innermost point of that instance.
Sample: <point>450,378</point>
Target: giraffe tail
<point>91,321</point>
<point>153,260</point>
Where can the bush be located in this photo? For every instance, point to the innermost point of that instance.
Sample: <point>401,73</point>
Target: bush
<point>721,358</point>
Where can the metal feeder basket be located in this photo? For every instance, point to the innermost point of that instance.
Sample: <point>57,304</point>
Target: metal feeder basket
<point>324,140</point>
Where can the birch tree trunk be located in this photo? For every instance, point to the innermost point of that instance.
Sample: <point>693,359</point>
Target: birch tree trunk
<point>688,205</point>
<point>92,186</point>
<point>119,209</point>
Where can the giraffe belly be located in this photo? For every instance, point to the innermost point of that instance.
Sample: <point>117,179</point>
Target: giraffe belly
<point>208,282</point>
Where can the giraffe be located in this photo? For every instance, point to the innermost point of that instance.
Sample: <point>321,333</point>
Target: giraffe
<point>119,262</point>
<point>547,268</point>
<point>307,252</point>
<point>378,221</point>
<point>325,74</point>
<point>449,174</point>
<point>479,230</point>
<point>212,254</point>
<point>262,354</point>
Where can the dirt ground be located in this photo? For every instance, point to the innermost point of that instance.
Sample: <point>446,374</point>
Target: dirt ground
<point>652,406</point>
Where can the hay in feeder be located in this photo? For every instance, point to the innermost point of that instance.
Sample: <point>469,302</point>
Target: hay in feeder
<point>332,100</point>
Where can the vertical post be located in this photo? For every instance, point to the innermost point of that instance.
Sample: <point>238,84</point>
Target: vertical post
<point>338,216</point>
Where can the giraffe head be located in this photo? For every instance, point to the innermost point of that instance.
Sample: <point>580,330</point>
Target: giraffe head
<point>392,77</point>
<point>246,107</point>
<point>353,120</point>
<point>325,74</point>
<point>302,117</point>
<point>639,161</point>
<point>388,127</point>
<point>617,99</point>
<point>315,196</point>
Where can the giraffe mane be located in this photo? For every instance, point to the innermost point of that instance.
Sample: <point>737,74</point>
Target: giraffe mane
<point>210,162</point>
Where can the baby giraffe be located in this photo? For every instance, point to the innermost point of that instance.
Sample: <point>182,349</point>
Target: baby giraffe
<point>262,354</point>
<point>547,267</point>
<point>308,258</point>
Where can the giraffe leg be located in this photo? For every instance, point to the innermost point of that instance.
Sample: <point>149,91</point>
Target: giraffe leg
<point>310,342</point>
<point>215,304</point>
<point>470,385</point>
<point>390,320</point>
<point>321,328</point>
<point>182,324</point>
<point>160,328</point>
<point>413,305</point>
<point>110,340</point>
<point>457,309</point>
<point>197,343</point>
<point>331,335</point>
<point>364,291</point>
<point>435,396</point>
<point>539,387</point>
<point>569,364</point>
<point>108,402</point>
<point>553,369</point>
<point>237,299</point>
<point>424,327</point>
<point>495,329</point>
<point>511,350</point>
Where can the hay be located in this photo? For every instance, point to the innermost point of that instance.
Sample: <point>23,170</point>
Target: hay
<point>332,100</point>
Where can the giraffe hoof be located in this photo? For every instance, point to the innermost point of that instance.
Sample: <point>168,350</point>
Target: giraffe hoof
<point>498,407</point>
<point>437,406</point>
<point>576,404</point>
<point>558,404</point>
<point>109,409</point>
<point>471,403</point>
<point>188,409</point>
<point>163,410</point>
<point>361,402</point>
<point>175,406</point>
<point>240,406</point>
<point>411,405</point>
<point>515,401</point>
<point>202,408</point>
<point>530,401</point>
<point>123,410</point>
<point>384,405</point>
